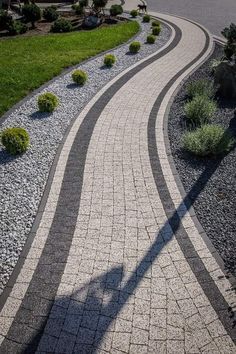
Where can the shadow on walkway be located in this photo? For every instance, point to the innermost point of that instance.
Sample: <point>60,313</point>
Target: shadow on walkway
<point>89,318</point>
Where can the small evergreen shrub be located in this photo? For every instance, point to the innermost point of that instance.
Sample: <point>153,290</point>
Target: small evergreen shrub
<point>156,31</point>
<point>50,13</point>
<point>83,3</point>
<point>109,60</point>
<point>200,88</point>
<point>31,13</point>
<point>151,39</point>
<point>156,23</point>
<point>47,102</point>
<point>6,20</point>
<point>17,27</point>
<point>15,140</point>
<point>116,10</point>
<point>146,18</point>
<point>208,140</point>
<point>200,110</point>
<point>134,47</point>
<point>99,4</point>
<point>79,10</point>
<point>134,13</point>
<point>61,25</point>
<point>79,77</point>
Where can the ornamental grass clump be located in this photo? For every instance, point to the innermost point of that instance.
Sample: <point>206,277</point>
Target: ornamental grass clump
<point>109,60</point>
<point>146,18</point>
<point>134,13</point>
<point>201,88</point>
<point>151,39</point>
<point>15,140</point>
<point>156,31</point>
<point>79,77</point>
<point>200,110</point>
<point>134,47</point>
<point>47,102</point>
<point>208,140</point>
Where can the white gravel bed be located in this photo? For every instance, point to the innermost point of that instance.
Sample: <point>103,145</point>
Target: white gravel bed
<point>23,179</point>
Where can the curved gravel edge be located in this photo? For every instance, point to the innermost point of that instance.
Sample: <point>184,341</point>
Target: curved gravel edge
<point>23,179</point>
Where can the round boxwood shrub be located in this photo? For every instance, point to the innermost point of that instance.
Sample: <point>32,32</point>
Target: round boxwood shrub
<point>79,77</point>
<point>151,39</point>
<point>6,20</point>
<point>16,140</point>
<point>134,47</point>
<point>109,60</point>
<point>200,88</point>
<point>116,10</point>
<point>134,13</point>
<point>50,13</point>
<point>47,102</point>
<point>17,27</point>
<point>156,23</point>
<point>156,31</point>
<point>200,110</point>
<point>79,10</point>
<point>31,13</point>
<point>208,140</point>
<point>146,18</point>
<point>61,25</point>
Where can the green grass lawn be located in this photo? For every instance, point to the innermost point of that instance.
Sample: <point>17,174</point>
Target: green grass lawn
<point>28,62</point>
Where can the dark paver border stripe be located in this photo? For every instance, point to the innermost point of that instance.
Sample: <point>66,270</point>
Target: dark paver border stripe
<point>207,283</point>
<point>53,261</point>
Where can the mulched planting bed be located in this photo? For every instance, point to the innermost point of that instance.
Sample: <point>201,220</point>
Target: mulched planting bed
<point>209,182</point>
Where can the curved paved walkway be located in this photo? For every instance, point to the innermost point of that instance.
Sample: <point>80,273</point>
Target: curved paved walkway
<point>117,264</point>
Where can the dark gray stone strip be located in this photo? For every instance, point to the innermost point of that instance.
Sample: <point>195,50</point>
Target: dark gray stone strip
<point>208,285</point>
<point>31,318</point>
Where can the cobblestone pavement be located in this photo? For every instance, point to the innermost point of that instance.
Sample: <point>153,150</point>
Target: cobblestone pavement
<point>117,264</point>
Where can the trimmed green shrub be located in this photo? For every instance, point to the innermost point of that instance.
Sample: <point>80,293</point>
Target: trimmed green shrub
<point>200,110</point>
<point>200,88</point>
<point>16,140</point>
<point>134,13</point>
<point>61,26</point>
<point>156,23</point>
<point>17,27</point>
<point>134,47</point>
<point>109,60</point>
<point>47,102</point>
<point>79,77</point>
<point>6,20</point>
<point>50,13</point>
<point>83,3</point>
<point>208,140</point>
<point>116,10</point>
<point>151,39</point>
<point>99,4</point>
<point>31,13</point>
<point>146,18</point>
<point>156,31</point>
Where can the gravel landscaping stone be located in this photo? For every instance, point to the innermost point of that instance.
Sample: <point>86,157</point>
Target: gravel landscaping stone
<point>210,183</point>
<point>23,179</point>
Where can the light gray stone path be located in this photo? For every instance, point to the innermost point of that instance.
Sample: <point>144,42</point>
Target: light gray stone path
<point>127,286</point>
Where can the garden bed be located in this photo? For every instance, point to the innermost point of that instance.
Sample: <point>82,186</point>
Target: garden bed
<point>209,182</point>
<point>23,179</point>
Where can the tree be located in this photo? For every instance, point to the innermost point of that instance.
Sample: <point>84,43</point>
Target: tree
<point>32,13</point>
<point>230,48</point>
